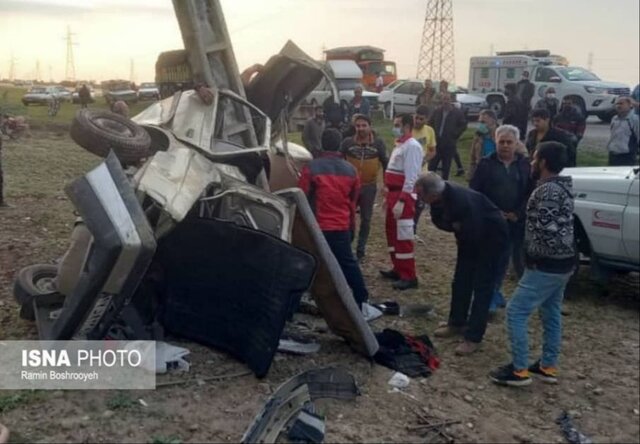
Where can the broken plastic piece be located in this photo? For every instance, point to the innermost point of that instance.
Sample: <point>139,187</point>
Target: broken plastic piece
<point>308,427</point>
<point>292,397</point>
<point>399,380</point>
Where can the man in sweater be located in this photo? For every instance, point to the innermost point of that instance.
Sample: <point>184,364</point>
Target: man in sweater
<point>368,154</point>
<point>312,132</point>
<point>550,261</point>
<point>399,180</point>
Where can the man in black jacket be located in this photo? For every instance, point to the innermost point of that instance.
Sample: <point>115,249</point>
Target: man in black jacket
<point>543,131</point>
<point>504,177</point>
<point>449,123</point>
<point>481,234</point>
<point>516,112</point>
<point>526,90</point>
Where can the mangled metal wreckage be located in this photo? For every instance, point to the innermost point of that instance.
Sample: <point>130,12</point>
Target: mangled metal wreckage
<point>207,238</point>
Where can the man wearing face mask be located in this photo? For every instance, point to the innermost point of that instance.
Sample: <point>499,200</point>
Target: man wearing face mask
<point>571,119</point>
<point>312,132</point>
<point>549,102</point>
<point>368,154</point>
<point>400,200</point>
<point>484,141</point>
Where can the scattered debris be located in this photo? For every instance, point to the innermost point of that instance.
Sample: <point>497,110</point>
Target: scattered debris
<point>399,380</point>
<point>297,348</point>
<point>570,432</point>
<point>388,307</point>
<point>413,356</point>
<point>283,409</point>
<point>207,378</point>
<point>170,357</point>
<point>143,403</point>
<point>307,428</point>
<point>370,312</point>
<point>432,427</point>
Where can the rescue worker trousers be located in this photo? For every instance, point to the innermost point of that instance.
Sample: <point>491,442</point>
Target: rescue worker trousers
<point>400,236</point>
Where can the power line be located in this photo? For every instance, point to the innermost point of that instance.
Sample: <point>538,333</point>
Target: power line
<point>70,68</point>
<point>437,54</point>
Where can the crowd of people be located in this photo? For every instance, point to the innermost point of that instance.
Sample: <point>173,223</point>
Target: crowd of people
<point>517,209</point>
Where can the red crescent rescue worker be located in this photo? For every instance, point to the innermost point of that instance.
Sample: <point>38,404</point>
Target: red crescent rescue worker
<point>399,180</point>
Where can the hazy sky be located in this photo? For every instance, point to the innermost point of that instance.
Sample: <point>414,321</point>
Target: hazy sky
<point>110,33</point>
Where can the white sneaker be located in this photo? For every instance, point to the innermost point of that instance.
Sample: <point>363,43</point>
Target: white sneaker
<point>370,312</point>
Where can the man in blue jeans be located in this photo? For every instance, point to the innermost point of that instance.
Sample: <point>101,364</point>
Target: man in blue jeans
<point>549,262</point>
<point>332,187</point>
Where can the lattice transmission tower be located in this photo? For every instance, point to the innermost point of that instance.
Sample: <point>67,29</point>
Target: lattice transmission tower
<point>70,69</point>
<point>436,60</point>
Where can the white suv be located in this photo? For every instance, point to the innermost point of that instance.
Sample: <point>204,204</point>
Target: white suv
<point>607,217</point>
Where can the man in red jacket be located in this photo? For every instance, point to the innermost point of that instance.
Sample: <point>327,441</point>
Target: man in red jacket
<point>332,187</point>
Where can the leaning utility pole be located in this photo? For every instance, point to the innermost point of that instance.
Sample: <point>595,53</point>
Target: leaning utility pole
<point>38,75</point>
<point>436,60</point>
<point>70,69</point>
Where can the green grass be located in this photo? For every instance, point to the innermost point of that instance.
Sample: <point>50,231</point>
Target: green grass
<point>10,402</point>
<point>121,401</point>
<point>10,102</point>
<point>166,440</point>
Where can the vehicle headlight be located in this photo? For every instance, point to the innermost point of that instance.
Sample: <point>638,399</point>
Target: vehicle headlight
<point>595,90</point>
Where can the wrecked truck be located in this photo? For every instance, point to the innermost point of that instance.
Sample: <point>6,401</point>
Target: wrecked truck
<point>192,225</point>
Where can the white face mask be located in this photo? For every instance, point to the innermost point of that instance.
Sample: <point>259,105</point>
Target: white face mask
<point>551,96</point>
<point>397,131</point>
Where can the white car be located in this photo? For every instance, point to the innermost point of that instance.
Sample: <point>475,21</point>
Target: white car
<point>148,91</point>
<point>403,95</point>
<point>43,94</point>
<point>607,217</point>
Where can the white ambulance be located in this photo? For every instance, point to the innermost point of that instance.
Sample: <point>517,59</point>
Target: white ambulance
<point>489,75</point>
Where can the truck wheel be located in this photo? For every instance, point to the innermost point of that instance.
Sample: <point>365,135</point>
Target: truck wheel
<point>99,132</point>
<point>606,117</point>
<point>496,104</point>
<point>33,281</point>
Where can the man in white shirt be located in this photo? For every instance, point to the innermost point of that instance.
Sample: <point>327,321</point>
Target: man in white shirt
<point>399,180</point>
<point>379,83</point>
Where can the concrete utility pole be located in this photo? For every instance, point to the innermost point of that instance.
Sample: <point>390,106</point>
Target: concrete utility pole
<point>437,56</point>
<point>132,77</point>
<point>70,69</point>
<point>590,61</point>
<point>38,75</point>
<point>491,52</point>
<point>12,67</point>
<point>50,74</point>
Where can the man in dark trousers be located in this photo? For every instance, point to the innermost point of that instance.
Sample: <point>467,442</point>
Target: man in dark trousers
<point>312,132</point>
<point>481,234</point>
<point>84,95</point>
<point>504,177</point>
<point>526,90</point>
<point>332,187</point>
<point>543,131</point>
<point>516,113</point>
<point>368,154</point>
<point>449,123</point>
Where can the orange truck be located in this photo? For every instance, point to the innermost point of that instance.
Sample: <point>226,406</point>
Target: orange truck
<point>370,60</point>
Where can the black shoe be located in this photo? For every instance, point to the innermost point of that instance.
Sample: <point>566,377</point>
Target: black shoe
<point>360,255</point>
<point>390,274</point>
<point>460,172</point>
<point>402,284</point>
<point>546,375</point>
<point>506,375</point>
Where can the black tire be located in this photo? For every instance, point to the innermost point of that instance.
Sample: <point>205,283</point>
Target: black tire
<point>31,282</point>
<point>606,117</point>
<point>99,132</point>
<point>496,104</point>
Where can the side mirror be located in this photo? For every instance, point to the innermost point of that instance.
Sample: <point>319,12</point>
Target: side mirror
<point>555,79</point>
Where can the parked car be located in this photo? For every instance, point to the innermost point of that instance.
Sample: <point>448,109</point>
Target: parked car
<point>403,95</point>
<point>148,91</point>
<point>114,90</point>
<point>607,218</point>
<point>41,95</point>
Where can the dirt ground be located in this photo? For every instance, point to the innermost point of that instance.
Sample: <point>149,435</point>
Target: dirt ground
<point>599,364</point>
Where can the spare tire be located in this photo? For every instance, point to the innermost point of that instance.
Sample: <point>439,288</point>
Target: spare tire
<point>33,281</point>
<point>99,132</point>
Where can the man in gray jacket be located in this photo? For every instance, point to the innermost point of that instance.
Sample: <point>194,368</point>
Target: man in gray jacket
<point>550,260</point>
<point>625,135</point>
